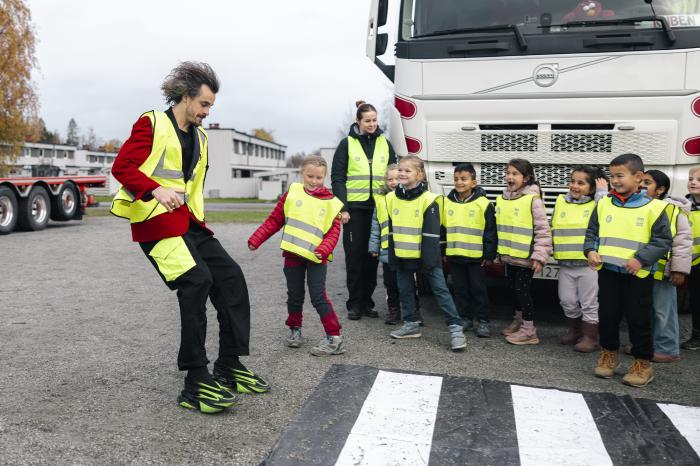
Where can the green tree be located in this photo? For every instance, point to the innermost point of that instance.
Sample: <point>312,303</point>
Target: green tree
<point>18,99</point>
<point>73,134</point>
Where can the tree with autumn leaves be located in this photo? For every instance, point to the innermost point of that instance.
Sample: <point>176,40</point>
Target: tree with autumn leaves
<point>18,99</point>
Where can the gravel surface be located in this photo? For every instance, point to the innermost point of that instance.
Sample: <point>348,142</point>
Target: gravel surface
<point>89,337</point>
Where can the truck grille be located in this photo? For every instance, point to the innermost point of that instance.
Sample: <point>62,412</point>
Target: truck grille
<point>548,175</point>
<point>510,142</point>
<point>585,143</point>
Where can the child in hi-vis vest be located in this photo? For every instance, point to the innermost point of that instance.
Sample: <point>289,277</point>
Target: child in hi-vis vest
<point>693,343</point>
<point>578,283</point>
<point>309,216</point>
<point>414,246</point>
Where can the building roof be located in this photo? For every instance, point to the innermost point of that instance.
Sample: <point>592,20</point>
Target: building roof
<point>216,127</point>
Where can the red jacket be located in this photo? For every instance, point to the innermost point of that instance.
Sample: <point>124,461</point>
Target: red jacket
<point>276,221</point>
<point>125,169</point>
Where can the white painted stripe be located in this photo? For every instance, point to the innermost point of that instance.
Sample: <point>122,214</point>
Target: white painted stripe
<point>396,423</point>
<point>687,421</point>
<point>556,428</point>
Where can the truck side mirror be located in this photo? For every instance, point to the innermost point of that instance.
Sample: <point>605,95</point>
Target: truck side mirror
<point>382,13</point>
<point>382,42</point>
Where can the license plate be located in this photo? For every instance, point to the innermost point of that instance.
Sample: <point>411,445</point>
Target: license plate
<point>549,272</point>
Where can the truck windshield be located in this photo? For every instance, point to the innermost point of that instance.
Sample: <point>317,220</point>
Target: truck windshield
<point>427,17</point>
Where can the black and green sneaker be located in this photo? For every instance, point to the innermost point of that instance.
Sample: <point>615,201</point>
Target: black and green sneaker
<point>240,380</point>
<point>209,397</point>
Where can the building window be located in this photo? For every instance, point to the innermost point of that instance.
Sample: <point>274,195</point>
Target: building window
<point>250,148</point>
<point>236,147</point>
<point>71,155</point>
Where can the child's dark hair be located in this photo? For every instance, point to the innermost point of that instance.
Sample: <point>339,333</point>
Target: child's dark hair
<point>592,174</point>
<point>362,108</point>
<point>633,162</point>
<point>526,169</point>
<point>661,180</point>
<point>466,167</point>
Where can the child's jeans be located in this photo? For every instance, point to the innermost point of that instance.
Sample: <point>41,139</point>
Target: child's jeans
<point>666,331</point>
<point>436,278</point>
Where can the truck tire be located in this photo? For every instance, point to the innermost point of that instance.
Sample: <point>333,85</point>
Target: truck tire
<point>35,210</point>
<point>8,210</point>
<point>65,204</point>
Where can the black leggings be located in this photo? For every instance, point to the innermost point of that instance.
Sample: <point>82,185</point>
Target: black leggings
<point>520,282</point>
<point>694,288</point>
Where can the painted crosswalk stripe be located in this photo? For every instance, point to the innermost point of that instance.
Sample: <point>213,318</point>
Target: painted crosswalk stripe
<point>556,428</point>
<point>396,421</point>
<point>687,421</point>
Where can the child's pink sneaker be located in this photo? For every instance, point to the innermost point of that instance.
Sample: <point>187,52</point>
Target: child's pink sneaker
<point>526,335</point>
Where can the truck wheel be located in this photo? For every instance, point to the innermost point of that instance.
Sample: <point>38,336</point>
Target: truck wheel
<point>35,210</point>
<point>65,204</point>
<point>8,210</point>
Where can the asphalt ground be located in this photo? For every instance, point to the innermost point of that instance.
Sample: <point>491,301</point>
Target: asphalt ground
<point>89,337</point>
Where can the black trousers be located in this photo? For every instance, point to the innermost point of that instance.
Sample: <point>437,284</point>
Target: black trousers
<point>218,277</point>
<point>520,282</point>
<point>392,287</point>
<point>360,266</point>
<point>694,289</point>
<point>471,294</point>
<point>623,295</point>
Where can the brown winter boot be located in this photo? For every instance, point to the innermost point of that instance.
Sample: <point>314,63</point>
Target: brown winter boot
<point>640,373</point>
<point>573,332</point>
<point>589,341</point>
<point>515,325</point>
<point>608,362</point>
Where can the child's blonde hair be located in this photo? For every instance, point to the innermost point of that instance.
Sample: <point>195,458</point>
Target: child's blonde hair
<point>417,164</point>
<point>313,160</point>
<point>384,189</point>
<point>694,169</point>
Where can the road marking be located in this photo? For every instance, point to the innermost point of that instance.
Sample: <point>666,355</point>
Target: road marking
<point>687,421</point>
<point>396,422</point>
<point>556,428</point>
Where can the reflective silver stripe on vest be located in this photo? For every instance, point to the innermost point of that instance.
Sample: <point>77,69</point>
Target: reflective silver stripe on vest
<point>568,247</point>
<point>295,240</point>
<point>406,246</point>
<point>292,222</point>
<point>514,245</point>
<point>384,238</point>
<point>358,178</point>
<point>461,245</point>
<point>618,262</point>
<point>515,230</point>
<point>431,235</point>
<point>569,231</point>
<point>620,243</point>
<point>161,172</point>
<point>465,231</point>
<point>383,224</point>
<point>407,230</point>
<point>358,190</point>
<point>696,241</point>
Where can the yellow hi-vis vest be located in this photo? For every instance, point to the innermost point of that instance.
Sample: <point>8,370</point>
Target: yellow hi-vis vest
<point>694,219</point>
<point>465,224</point>
<point>383,219</point>
<point>515,225</point>
<point>569,224</point>
<point>164,166</point>
<point>672,211</point>
<point>406,223</point>
<point>623,231</point>
<point>307,220</point>
<point>363,180</point>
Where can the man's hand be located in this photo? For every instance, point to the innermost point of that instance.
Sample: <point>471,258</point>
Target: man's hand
<point>633,266</point>
<point>169,198</point>
<point>594,260</point>
<point>678,279</point>
<point>344,217</point>
<point>537,266</point>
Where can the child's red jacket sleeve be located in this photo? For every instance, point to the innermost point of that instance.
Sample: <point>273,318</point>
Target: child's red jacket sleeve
<point>271,225</point>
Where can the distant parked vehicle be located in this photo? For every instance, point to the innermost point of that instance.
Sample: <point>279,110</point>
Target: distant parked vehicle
<point>29,203</point>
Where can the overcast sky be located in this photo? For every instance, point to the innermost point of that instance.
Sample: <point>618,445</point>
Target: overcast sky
<point>295,67</point>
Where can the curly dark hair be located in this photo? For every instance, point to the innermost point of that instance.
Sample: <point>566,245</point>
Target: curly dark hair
<point>186,79</point>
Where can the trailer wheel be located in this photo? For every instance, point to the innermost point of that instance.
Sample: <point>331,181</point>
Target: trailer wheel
<point>65,204</point>
<point>8,210</point>
<point>35,210</point>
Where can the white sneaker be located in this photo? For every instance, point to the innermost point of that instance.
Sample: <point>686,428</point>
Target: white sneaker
<point>295,340</point>
<point>329,346</point>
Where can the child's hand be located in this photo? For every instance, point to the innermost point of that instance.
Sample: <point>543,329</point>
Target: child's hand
<point>344,217</point>
<point>251,247</point>
<point>537,267</point>
<point>594,260</point>
<point>318,255</point>
<point>601,184</point>
<point>486,263</point>
<point>633,266</point>
<point>678,279</point>
<point>375,254</point>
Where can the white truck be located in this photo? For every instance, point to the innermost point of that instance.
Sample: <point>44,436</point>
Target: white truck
<point>556,82</point>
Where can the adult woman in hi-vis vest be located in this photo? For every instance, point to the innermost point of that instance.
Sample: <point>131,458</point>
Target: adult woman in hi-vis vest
<point>358,170</point>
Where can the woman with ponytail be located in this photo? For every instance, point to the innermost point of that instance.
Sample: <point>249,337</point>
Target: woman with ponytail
<point>358,169</point>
